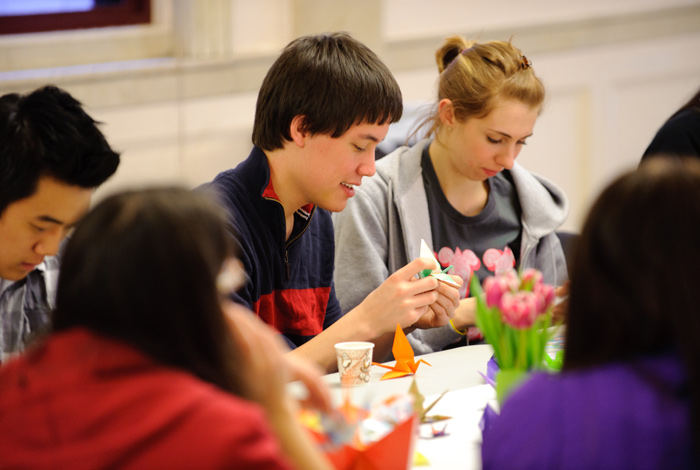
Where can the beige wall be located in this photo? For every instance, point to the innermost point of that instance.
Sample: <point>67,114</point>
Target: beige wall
<point>178,97</point>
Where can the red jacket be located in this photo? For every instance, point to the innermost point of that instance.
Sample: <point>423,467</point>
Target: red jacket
<point>83,401</point>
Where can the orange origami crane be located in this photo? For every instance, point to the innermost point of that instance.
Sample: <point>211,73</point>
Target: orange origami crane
<point>405,360</point>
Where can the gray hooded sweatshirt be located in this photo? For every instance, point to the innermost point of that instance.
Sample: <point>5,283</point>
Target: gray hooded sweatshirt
<point>381,228</point>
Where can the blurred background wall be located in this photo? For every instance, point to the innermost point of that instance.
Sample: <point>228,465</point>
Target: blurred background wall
<point>177,96</point>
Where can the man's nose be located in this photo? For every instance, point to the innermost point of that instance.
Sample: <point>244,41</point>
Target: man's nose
<point>48,245</point>
<point>367,167</point>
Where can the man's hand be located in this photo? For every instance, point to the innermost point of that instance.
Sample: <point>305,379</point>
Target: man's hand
<point>403,299</point>
<point>443,309</point>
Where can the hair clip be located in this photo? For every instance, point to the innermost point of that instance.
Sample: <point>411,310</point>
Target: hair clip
<point>525,64</point>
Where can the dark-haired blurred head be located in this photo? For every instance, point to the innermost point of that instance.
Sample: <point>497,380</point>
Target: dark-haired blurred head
<point>634,276</point>
<point>142,267</point>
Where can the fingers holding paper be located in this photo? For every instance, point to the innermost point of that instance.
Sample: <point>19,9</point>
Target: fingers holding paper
<point>443,309</point>
<point>402,298</point>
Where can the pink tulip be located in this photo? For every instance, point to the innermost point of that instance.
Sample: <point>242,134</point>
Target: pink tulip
<point>529,279</point>
<point>494,288</point>
<point>512,280</point>
<point>546,293</point>
<point>519,309</point>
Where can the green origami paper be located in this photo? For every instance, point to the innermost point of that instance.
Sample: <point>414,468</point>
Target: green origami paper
<point>441,276</point>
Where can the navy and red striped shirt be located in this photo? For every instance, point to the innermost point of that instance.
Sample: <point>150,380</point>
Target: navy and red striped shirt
<point>290,283</point>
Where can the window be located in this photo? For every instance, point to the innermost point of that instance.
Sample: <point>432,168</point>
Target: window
<point>32,16</point>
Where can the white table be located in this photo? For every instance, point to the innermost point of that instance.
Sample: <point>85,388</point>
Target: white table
<point>456,370</point>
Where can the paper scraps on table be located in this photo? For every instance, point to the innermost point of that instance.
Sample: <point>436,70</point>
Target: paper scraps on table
<point>421,410</point>
<point>381,437</point>
<point>405,359</point>
<point>439,432</point>
<point>441,276</point>
<point>420,460</point>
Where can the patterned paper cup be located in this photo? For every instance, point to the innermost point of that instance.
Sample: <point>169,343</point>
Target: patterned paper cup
<point>354,362</point>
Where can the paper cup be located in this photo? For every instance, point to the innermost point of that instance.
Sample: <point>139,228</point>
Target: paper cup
<point>354,362</point>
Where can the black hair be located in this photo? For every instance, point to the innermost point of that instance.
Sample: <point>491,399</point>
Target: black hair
<point>633,279</point>
<point>333,80</point>
<point>693,103</point>
<point>142,267</point>
<point>47,133</point>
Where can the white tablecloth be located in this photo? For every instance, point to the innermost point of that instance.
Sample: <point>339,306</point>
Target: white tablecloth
<point>456,370</point>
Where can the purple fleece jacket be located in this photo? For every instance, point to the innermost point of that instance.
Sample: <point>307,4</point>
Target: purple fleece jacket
<point>633,414</point>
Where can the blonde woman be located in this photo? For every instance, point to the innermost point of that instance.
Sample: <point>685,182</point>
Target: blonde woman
<point>459,189</point>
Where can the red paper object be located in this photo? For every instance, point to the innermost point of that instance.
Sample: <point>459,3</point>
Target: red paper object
<point>393,452</point>
<point>405,359</point>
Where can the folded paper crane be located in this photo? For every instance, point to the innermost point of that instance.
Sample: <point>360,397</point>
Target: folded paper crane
<point>441,276</point>
<point>340,438</point>
<point>403,353</point>
<point>420,408</point>
<point>392,452</point>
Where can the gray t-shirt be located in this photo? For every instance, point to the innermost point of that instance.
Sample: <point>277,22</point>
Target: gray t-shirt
<point>458,238</point>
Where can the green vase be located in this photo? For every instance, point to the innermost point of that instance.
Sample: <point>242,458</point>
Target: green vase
<point>508,380</point>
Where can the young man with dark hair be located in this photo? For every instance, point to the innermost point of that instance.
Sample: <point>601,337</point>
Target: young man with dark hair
<point>52,157</point>
<point>323,107</point>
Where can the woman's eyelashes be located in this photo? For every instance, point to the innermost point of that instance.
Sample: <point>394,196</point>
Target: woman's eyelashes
<point>500,141</point>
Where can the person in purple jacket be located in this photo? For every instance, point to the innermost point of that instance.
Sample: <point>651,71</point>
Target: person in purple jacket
<point>628,395</point>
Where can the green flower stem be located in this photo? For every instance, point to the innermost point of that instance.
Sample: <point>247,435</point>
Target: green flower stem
<point>522,350</point>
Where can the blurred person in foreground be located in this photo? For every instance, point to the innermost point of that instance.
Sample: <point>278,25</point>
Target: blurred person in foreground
<point>629,392</point>
<point>149,365</point>
<point>679,136</point>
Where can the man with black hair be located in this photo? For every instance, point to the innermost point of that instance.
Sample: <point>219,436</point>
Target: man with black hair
<point>52,157</point>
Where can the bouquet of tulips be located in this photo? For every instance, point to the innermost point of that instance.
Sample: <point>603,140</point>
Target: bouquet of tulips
<point>514,312</point>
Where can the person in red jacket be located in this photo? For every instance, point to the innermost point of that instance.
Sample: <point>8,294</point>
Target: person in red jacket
<point>148,365</point>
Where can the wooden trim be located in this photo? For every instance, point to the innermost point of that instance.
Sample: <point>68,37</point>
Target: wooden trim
<point>125,13</point>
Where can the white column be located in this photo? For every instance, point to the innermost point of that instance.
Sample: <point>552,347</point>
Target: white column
<point>202,28</point>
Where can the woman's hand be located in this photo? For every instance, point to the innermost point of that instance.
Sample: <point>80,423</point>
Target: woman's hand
<point>465,314</point>
<point>266,366</point>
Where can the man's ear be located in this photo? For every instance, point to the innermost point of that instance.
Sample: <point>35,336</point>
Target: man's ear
<point>446,111</point>
<point>297,130</point>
